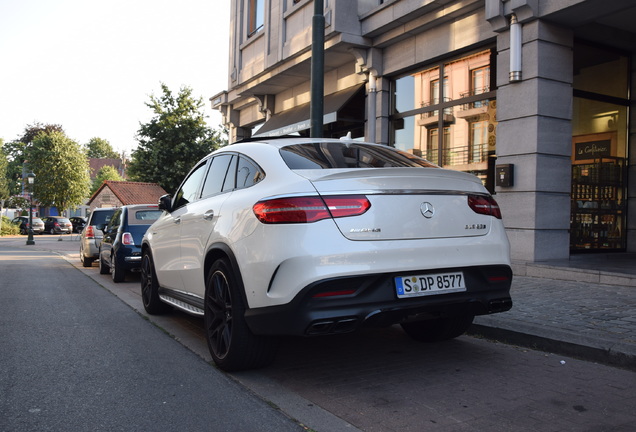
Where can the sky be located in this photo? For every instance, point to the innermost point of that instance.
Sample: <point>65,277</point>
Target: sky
<point>91,66</point>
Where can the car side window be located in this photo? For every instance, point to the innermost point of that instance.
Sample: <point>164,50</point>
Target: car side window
<point>247,173</point>
<point>220,177</point>
<point>188,192</point>
<point>113,225</point>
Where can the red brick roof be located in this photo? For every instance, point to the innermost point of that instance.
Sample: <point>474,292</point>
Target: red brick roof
<point>132,192</point>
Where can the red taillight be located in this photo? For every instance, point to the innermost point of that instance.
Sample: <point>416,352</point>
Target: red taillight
<point>343,206</point>
<point>484,204</point>
<point>309,209</point>
<point>90,232</point>
<point>127,239</point>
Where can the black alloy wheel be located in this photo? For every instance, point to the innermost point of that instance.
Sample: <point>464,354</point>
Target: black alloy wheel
<point>231,343</point>
<point>150,287</point>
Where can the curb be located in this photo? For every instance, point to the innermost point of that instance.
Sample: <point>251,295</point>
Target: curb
<point>614,354</point>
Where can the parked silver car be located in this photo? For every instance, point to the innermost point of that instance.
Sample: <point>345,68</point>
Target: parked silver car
<point>23,222</point>
<point>92,234</point>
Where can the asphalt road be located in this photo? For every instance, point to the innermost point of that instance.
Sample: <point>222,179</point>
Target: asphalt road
<point>75,358</point>
<point>374,380</point>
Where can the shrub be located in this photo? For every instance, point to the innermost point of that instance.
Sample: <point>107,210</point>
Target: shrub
<point>8,228</point>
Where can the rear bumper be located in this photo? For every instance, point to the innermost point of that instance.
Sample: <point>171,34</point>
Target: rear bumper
<point>375,303</point>
<point>128,257</point>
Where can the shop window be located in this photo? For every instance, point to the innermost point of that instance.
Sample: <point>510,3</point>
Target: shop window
<point>599,149</point>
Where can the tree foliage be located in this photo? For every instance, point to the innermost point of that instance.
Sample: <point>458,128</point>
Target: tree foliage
<point>4,181</point>
<point>16,152</point>
<point>105,173</point>
<point>17,202</point>
<point>100,148</point>
<point>61,168</point>
<point>173,140</point>
<point>32,131</point>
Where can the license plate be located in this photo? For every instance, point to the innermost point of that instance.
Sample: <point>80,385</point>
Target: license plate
<point>429,284</point>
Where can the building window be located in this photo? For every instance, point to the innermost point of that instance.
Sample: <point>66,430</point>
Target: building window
<point>432,153</point>
<point>255,16</point>
<point>480,83</point>
<point>478,141</point>
<point>464,108</point>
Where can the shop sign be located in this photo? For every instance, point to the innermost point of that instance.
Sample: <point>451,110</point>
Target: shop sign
<point>592,149</point>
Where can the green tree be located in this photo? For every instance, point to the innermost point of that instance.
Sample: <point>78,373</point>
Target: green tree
<point>17,202</point>
<point>32,131</point>
<point>100,148</point>
<point>4,181</point>
<point>61,168</point>
<point>16,152</point>
<point>173,140</point>
<point>5,226</point>
<point>105,173</point>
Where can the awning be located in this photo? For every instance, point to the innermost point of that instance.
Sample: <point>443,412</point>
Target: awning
<point>297,119</point>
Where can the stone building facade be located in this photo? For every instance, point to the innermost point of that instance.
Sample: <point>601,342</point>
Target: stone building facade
<point>532,96</point>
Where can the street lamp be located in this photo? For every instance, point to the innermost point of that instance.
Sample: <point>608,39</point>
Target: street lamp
<point>31,180</point>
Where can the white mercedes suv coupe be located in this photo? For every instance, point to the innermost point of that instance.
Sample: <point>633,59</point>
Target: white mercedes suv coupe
<point>312,236</point>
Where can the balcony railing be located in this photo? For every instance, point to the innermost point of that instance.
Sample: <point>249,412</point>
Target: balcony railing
<point>460,155</point>
<point>447,111</point>
<point>477,104</point>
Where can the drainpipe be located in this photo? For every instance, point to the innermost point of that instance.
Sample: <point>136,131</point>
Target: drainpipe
<point>515,49</point>
<point>372,95</point>
<point>316,105</point>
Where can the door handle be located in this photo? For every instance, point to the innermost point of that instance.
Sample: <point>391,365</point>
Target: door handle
<point>177,220</point>
<point>208,215</point>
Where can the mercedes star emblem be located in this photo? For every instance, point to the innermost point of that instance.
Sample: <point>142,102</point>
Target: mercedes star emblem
<point>427,210</point>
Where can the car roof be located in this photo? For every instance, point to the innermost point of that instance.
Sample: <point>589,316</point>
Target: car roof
<point>135,206</point>
<point>285,141</point>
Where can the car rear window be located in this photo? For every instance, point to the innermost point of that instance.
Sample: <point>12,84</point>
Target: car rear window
<point>324,155</point>
<point>143,217</point>
<point>101,217</point>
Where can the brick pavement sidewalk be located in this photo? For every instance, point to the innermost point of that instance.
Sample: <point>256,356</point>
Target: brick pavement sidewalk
<point>580,319</point>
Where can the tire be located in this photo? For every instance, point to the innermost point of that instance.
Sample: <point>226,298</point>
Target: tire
<point>438,330</point>
<point>87,262</point>
<point>103,268</point>
<point>118,274</point>
<point>24,231</point>
<point>150,287</point>
<point>52,231</point>
<point>231,343</point>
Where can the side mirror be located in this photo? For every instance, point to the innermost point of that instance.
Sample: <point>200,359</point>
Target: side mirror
<point>165,203</point>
